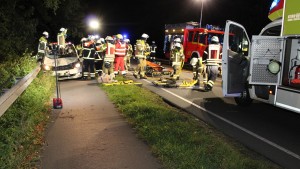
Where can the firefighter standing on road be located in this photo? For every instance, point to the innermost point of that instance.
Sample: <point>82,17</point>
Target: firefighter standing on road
<point>211,60</point>
<point>100,52</point>
<point>177,59</point>
<point>120,52</point>
<point>129,51</point>
<point>141,50</point>
<point>88,54</point>
<point>42,47</point>
<point>109,57</point>
<point>61,40</point>
<point>198,69</point>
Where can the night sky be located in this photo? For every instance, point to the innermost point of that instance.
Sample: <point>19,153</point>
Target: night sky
<point>136,17</point>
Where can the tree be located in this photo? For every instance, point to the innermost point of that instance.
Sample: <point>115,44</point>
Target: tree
<point>23,21</point>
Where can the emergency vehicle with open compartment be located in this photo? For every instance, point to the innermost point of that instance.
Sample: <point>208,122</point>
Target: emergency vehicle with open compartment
<point>194,39</point>
<point>267,68</point>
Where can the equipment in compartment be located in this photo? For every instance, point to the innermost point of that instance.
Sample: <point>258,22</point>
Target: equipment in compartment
<point>294,73</point>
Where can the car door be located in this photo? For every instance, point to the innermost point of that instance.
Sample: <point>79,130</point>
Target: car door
<point>235,60</point>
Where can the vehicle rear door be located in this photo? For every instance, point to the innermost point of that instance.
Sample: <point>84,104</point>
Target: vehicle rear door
<point>235,60</point>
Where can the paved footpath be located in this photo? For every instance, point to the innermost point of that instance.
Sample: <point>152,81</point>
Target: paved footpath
<point>89,133</point>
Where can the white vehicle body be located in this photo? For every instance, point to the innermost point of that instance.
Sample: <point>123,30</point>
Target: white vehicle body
<point>67,66</point>
<point>247,66</point>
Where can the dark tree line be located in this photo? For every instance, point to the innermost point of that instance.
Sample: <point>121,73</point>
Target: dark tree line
<point>23,21</point>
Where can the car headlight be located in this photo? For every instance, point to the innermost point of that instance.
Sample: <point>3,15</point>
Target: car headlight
<point>77,65</point>
<point>46,67</point>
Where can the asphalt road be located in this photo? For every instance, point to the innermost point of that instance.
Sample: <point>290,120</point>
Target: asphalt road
<point>89,133</point>
<point>79,136</point>
<point>270,131</point>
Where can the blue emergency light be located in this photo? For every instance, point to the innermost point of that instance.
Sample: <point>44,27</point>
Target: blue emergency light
<point>274,3</point>
<point>209,27</point>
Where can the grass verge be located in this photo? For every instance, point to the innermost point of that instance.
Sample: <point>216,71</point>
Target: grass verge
<point>22,125</point>
<point>178,139</point>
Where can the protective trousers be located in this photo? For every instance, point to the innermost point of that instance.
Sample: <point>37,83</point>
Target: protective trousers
<point>119,63</point>
<point>98,66</point>
<point>212,73</point>
<point>177,71</point>
<point>141,67</point>
<point>108,70</point>
<point>199,69</point>
<point>88,68</point>
<point>127,62</point>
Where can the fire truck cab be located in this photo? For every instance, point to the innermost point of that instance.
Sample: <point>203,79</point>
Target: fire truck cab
<point>194,39</point>
<point>267,68</point>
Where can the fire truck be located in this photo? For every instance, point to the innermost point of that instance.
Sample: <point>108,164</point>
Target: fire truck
<point>195,40</point>
<point>267,68</point>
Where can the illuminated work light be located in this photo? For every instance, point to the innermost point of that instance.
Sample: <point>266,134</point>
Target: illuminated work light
<point>274,66</point>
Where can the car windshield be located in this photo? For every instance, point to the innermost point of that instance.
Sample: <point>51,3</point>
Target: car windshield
<point>68,51</point>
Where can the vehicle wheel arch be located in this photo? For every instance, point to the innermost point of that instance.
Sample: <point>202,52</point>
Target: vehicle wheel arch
<point>244,100</point>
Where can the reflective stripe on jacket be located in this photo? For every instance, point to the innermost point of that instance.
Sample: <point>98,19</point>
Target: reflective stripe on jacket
<point>120,50</point>
<point>110,52</point>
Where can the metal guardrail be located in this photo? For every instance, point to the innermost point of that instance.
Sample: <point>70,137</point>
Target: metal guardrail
<point>9,97</point>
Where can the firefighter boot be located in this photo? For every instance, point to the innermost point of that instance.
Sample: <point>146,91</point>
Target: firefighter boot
<point>209,85</point>
<point>135,74</point>
<point>143,76</point>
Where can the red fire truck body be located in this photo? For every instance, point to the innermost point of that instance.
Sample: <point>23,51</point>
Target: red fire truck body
<point>194,39</point>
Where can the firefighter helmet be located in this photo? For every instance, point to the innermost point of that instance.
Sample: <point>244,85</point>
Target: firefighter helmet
<point>119,36</point>
<point>83,39</point>
<point>127,40</point>
<point>177,40</point>
<point>177,45</point>
<point>92,37</point>
<point>215,39</point>
<point>194,61</point>
<point>145,36</point>
<point>107,64</point>
<point>109,38</point>
<point>46,34</point>
<point>102,40</point>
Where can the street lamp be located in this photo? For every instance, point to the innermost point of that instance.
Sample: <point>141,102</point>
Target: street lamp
<point>200,23</point>
<point>94,24</point>
<point>201,13</point>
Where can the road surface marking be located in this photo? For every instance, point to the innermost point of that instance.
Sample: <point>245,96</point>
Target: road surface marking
<point>234,124</point>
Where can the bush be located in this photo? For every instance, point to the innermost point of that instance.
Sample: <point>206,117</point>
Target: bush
<point>15,67</point>
<point>21,127</point>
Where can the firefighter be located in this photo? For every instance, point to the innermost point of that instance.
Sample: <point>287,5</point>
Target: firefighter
<point>129,52</point>
<point>44,37</point>
<point>176,40</point>
<point>120,52</point>
<point>152,51</point>
<point>42,47</point>
<point>141,50</point>
<point>197,65</point>
<point>100,52</point>
<point>79,49</point>
<point>109,57</point>
<point>177,59</point>
<point>61,40</point>
<point>211,61</point>
<point>88,54</point>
